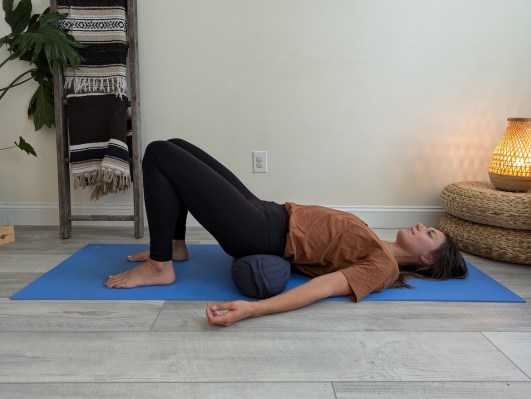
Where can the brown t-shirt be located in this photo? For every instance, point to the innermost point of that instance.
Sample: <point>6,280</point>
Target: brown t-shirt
<point>323,240</point>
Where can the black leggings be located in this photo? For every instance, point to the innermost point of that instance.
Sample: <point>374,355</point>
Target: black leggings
<point>180,177</point>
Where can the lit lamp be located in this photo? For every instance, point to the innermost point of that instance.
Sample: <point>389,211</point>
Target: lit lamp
<point>510,162</point>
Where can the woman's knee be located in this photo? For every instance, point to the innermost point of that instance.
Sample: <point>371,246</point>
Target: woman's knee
<point>178,142</point>
<point>155,151</point>
<point>161,146</point>
<point>158,148</point>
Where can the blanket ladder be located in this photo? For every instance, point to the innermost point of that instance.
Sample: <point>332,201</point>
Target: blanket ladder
<point>63,163</point>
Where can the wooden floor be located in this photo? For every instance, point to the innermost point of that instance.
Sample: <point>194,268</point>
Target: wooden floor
<point>166,349</point>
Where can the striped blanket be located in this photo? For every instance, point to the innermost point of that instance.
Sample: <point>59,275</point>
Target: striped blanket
<point>98,149</point>
<point>97,95</point>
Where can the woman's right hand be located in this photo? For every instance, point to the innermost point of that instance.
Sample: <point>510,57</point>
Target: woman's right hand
<point>332,284</point>
<point>225,314</point>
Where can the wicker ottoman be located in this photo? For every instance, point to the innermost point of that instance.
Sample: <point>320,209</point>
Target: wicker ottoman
<point>488,222</point>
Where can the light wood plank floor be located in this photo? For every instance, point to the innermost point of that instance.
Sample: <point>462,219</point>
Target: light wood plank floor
<point>166,349</point>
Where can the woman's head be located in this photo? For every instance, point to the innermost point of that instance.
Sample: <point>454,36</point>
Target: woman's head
<point>438,255</point>
<point>418,243</point>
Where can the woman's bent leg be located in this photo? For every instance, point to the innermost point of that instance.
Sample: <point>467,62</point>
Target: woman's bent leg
<point>180,227</point>
<point>215,165</point>
<point>176,181</point>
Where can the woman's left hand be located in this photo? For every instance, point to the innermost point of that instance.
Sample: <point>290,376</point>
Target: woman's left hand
<point>225,314</point>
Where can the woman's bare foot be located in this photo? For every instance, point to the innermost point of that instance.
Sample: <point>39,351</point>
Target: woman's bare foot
<point>147,273</point>
<point>179,253</point>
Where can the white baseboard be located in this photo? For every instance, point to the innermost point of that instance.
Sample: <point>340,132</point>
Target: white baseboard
<point>375,216</point>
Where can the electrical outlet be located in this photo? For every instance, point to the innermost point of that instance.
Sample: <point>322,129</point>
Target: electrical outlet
<point>259,161</point>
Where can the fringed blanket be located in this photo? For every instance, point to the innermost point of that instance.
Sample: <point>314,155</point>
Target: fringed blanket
<point>102,26</point>
<point>99,156</point>
<point>97,90</point>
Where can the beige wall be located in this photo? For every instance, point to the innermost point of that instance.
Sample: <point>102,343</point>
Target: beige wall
<point>373,103</point>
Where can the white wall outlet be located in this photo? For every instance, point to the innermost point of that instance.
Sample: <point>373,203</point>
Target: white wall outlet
<point>259,161</point>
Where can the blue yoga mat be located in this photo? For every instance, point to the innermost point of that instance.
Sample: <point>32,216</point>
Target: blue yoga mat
<point>206,276</point>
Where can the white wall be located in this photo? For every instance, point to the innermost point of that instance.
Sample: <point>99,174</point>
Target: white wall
<point>362,104</point>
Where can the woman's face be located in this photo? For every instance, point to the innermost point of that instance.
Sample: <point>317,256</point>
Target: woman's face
<point>420,240</point>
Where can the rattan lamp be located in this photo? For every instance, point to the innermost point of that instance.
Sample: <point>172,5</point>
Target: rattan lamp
<point>510,162</point>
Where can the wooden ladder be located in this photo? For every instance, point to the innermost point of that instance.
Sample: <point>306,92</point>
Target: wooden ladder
<point>63,160</point>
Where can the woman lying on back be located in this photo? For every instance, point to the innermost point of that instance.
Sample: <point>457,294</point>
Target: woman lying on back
<point>342,254</point>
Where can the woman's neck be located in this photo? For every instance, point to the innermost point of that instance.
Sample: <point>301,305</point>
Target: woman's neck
<point>401,256</point>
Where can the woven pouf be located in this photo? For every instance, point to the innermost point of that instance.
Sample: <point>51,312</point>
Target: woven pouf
<point>506,245</point>
<point>480,202</point>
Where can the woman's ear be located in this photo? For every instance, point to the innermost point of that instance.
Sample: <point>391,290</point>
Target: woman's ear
<point>426,260</point>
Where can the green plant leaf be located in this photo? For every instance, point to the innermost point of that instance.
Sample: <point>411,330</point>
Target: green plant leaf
<point>42,73</point>
<point>41,106</point>
<point>44,38</point>
<point>4,40</point>
<point>38,40</point>
<point>25,146</point>
<point>18,18</point>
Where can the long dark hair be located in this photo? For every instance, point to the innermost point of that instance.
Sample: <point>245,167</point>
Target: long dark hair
<point>447,263</point>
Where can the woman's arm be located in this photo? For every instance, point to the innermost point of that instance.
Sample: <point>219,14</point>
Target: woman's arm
<point>332,284</point>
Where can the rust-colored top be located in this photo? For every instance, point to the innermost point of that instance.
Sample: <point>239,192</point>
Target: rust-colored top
<point>323,240</point>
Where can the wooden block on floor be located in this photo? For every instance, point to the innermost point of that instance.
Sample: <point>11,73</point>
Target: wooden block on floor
<point>7,234</point>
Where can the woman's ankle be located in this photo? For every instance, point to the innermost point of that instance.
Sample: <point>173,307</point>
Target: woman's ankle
<point>179,250</point>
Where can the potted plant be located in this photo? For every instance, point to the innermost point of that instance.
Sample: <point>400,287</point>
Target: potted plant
<point>37,40</point>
